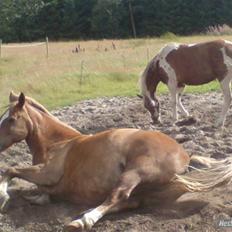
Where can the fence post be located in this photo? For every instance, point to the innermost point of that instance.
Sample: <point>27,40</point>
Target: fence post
<point>47,50</point>
<point>124,61</point>
<point>132,19</point>
<point>82,67</point>
<point>148,54</point>
<point>0,48</point>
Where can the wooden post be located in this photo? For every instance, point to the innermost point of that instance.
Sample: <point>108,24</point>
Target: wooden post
<point>82,67</point>
<point>132,19</point>
<point>124,61</point>
<point>148,55</point>
<point>47,50</point>
<point>0,48</point>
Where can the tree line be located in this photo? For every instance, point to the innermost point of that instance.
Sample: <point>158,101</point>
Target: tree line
<point>29,20</point>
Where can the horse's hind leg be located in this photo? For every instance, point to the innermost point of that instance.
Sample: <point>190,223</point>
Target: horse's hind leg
<point>180,105</point>
<point>166,196</point>
<point>116,201</point>
<point>225,86</point>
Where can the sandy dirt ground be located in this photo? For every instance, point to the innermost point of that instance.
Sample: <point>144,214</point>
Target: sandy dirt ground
<point>193,211</point>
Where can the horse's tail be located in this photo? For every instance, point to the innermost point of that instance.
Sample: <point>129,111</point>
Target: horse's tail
<point>199,180</point>
<point>207,162</point>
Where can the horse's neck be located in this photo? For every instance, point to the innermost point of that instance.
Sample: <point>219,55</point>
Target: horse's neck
<point>152,77</point>
<point>44,132</point>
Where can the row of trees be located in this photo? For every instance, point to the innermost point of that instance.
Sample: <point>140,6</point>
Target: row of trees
<point>28,20</point>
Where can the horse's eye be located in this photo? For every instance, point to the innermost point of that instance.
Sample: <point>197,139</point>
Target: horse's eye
<point>11,120</point>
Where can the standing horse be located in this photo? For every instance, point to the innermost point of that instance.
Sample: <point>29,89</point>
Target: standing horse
<point>115,169</point>
<point>177,65</point>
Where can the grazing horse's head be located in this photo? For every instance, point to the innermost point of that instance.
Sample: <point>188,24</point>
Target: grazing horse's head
<point>14,122</point>
<point>153,107</point>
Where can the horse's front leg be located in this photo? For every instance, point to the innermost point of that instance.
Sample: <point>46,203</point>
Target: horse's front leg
<point>4,196</point>
<point>42,175</point>
<point>35,174</point>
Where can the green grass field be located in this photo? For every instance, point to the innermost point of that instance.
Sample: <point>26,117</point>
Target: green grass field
<point>57,80</point>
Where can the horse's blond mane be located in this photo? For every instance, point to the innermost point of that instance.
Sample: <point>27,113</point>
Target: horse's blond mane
<point>32,102</point>
<point>41,108</point>
<point>37,105</point>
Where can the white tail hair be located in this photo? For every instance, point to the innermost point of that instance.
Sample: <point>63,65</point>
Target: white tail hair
<point>204,161</point>
<point>200,180</point>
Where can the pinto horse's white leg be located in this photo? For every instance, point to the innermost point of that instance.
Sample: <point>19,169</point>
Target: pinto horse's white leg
<point>116,201</point>
<point>174,100</point>
<point>4,197</point>
<point>225,86</point>
<point>180,105</point>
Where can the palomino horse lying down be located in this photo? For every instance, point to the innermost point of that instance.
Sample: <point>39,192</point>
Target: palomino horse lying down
<point>112,170</point>
<point>177,65</point>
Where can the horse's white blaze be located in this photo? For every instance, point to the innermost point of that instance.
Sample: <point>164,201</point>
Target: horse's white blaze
<point>172,80</point>
<point>6,115</point>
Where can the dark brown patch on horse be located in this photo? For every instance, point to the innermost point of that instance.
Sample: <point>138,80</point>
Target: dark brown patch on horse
<point>198,64</point>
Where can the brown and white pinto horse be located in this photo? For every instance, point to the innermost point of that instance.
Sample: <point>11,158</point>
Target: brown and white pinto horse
<point>177,65</point>
<point>115,169</point>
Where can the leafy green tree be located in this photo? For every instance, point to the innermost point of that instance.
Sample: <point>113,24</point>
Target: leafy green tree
<point>107,19</point>
<point>29,20</point>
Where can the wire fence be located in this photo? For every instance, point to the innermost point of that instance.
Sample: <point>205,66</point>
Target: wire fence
<point>25,46</point>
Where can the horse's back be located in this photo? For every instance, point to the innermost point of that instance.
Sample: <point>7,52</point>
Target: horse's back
<point>159,150</point>
<point>198,63</point>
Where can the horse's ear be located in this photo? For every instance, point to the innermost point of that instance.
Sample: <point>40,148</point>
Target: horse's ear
<point>13,97</point>
<point>21,100</point>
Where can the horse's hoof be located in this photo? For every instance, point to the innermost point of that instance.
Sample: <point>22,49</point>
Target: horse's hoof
<point>157,121</point>
<point>75,226</point>
<point>41,199</point>
<point>219,124</point>
<point>186,122</point>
